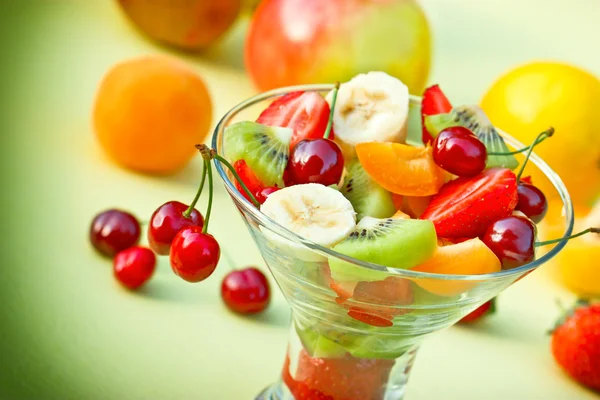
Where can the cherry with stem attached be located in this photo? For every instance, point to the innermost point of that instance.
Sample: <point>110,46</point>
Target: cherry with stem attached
<point>531,200</point>
<point>317,160</point>
<point>172,217</point>
<point>194,252</point>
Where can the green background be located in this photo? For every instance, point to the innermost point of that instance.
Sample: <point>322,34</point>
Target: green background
<point>68,331</point>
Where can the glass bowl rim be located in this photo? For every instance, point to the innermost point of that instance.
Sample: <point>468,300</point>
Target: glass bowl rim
<point>273,226</point>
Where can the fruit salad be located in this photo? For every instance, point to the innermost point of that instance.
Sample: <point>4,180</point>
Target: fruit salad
<point>380,178</point>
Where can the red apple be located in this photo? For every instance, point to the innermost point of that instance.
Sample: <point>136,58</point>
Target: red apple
<point>187,24</point>
<point>317,41</point>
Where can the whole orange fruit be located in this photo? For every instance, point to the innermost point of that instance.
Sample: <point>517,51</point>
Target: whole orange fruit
<point>150,112</point>
<point>530,98</point>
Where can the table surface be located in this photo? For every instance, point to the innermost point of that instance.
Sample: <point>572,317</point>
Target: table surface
<point>70,332</point>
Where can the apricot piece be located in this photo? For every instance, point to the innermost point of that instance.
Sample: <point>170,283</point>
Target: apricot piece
<point>471,257</point>
<point>400,168</point>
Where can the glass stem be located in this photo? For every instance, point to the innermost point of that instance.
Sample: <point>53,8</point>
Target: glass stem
<point>189,210</point>
<point>207,166</point>
<point>237,178</point>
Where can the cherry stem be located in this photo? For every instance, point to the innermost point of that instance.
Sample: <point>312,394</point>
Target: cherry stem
<point>209,154</point>
<point>187,213</point>
<point>546,134</point>
<point>588,230</point>
<point>208,166</point>
<point>524,149</point>
<point>333,100</point>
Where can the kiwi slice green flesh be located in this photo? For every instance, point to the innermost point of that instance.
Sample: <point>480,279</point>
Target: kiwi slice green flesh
<point>366,196</point>
<point>474,119</point>
<point>264,148</point>
<point>390,242</point>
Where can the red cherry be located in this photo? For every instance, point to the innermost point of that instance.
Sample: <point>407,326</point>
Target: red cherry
<point>458,151</point>
<point>316,161</point>
<point>166,221</point>
<point>246,291</point>
<point>262,194</point>
<point>532,201</point>
<point>194,255</point>
<point>114,230</point>
<point>512,240</point>
<point>134,266</point>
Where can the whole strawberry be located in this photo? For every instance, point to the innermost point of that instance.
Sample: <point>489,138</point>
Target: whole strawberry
<point>489,307</point>
<point>576,344</point>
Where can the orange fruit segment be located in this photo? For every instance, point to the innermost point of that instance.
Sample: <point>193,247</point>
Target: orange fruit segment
<point>415,206</point>
<point>400,168</point>
<point>471,257</point>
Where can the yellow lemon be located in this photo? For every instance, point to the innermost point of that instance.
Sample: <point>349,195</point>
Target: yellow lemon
<point>530,98</point>
<point>578,262</point>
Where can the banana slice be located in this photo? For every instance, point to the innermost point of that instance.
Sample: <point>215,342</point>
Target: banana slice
<point>315,212</point>
<point>371,107</point>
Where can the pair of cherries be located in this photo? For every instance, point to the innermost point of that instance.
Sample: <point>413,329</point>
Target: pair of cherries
<point>179,231</point>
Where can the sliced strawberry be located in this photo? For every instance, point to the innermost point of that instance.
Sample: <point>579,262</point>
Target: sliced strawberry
<point>464,207</point>
<point>343,378</point>
<point>250,180</point>
<point>307,113</point>
<point>434,102</point>
<point>526,179</point>
<point>489,307</point>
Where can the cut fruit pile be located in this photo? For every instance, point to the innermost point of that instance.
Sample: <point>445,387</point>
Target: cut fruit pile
<point>432,192</point>
<point>344,192</point>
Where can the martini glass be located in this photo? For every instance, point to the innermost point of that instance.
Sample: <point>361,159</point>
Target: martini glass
<point>359,341</point>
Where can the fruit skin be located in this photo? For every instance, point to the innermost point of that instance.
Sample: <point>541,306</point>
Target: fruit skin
<point>464,207</point>
<point>293,42</point>
<point>262,194</point>
<point>186,24</point>
<point>400,168</point>
<point>149,113</point>
<point>529,98</point>
<point>307,113</point>
<point>316,161</point>
<point>512,240</point>
<point>458,151</point>
<point>114,230</point>
<point>434,102</point>
<point>487,308</point>
<point>134,266</point>
<point>194,255</point>
<point>532,202</point>
<point>166,221</point>
<point>246,291</point>
<point>576,345</point>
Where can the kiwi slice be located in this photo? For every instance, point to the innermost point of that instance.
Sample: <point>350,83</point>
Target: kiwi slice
<point>474,119</point>
<point>390,242</point>
<point>366,196</point>
<point>264,148</point>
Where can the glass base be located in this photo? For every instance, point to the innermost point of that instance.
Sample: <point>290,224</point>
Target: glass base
<point>276,391</point>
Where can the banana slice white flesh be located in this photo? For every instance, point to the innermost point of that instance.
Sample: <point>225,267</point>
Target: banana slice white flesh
<point>315,212</point>
<point>371,107</point>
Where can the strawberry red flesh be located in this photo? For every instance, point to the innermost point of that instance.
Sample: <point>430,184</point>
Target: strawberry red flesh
<point>465,207</point>
<point>342,378</point>
<point>434,102</point>
<point>248,177</point>
<point>307,113</point>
